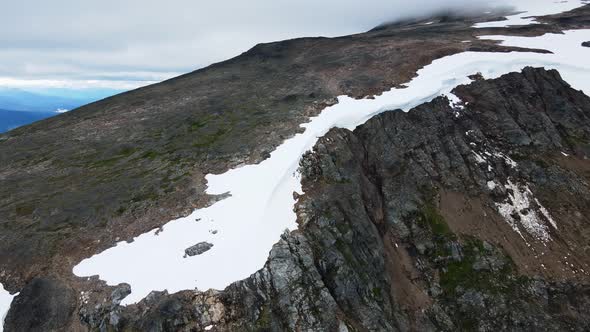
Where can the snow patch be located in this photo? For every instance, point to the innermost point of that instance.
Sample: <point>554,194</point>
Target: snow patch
<point>84,297</point>
<point>491,185</point>
<point>479,158</point>
<point>570,59</point>
<point>507,159</point>
<point>455,101</point>
<point>456,104</point>
<point>482,158</point>
<point>546,214</point>
<point>5,301</point>
<point>520,212</point>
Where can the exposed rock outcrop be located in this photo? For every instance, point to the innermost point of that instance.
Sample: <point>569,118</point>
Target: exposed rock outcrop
<point>402,226</point>
<point>45,304</point>
<point>198,249</point>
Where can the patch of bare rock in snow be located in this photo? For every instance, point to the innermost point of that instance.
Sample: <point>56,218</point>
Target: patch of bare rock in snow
<point>522,211</point>
<point>198,249</point>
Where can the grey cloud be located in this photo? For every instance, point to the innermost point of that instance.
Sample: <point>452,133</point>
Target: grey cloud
<point>66,39</point>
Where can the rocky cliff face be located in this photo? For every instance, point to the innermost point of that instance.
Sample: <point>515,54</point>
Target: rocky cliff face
<point>449,217</point>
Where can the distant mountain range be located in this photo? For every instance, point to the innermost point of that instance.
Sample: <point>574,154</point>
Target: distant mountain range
<point>12,119</point>
<point>19,107</point>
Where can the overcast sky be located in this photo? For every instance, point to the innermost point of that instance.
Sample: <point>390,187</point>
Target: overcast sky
<point>118,44</point>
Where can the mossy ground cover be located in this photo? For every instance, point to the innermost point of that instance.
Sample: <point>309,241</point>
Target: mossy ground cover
<point>462,274</point>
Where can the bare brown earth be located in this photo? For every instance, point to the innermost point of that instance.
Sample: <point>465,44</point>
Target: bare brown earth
<point>469,216</point>
<point>74,185</point>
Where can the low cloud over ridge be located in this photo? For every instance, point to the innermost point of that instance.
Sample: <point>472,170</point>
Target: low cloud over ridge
<point>122,41</point>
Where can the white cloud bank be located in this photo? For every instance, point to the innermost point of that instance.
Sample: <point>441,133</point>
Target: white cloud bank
<point>123,44</point>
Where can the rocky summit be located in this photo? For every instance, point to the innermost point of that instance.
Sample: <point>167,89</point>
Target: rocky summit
<point>468,212</point>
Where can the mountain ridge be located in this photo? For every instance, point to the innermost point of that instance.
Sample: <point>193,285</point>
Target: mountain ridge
<point>11,119</point>
<point>414,240</point>
<point>76,184</point>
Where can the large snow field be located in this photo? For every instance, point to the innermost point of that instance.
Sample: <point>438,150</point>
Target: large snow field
<point>527,8</point>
